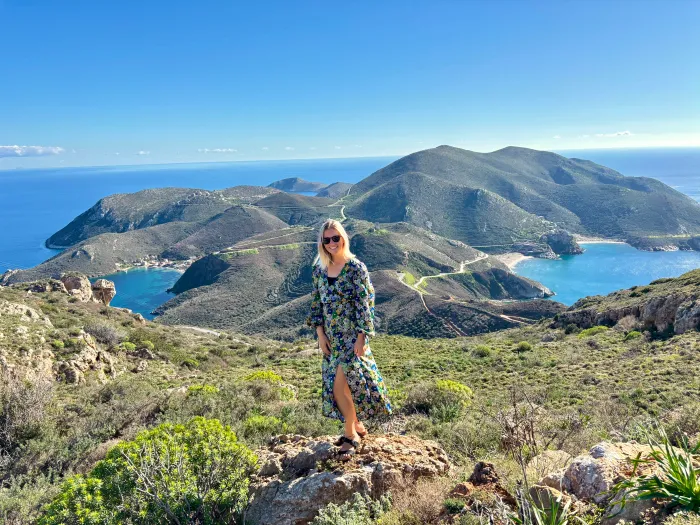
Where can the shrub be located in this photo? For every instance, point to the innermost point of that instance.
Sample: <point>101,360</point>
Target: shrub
<point>633,335</point>
<point>678,481</point>
<point>193,473</point>
<point>128,346</point>
<point>23,407</point>
<point>454,505</point>
<point>105,334</point>
<point>360,510</point>
<point>571,328</point>
<point>523,346</point>
<point>481,351</point>
<point>57,344</point>
<point>190,362</point>
<point>147,344</point>
<point>258,425</point>
<point>444,399</point>
<point>269,385</point>
<point>202,390</point>
<point>594,330</point>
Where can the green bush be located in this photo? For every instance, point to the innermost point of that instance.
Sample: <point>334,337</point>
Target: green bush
<point>595,330</point>
<point>202,390</point>
<point>360,510</point>
<point>634,334</point>
<point>147,344</point>
<point>678,480</point>
<point>264,427</point>
<point>523,346</point>
<point>454,505</point>
<point>481,351</point>
<point>190,362</point>
<point>193,473</point>
<point>57,344</point>
<point>105,333</point>
<point>571,328</point>
<point>269,385</point>
<point>443,399</point>
<point>128,346</point>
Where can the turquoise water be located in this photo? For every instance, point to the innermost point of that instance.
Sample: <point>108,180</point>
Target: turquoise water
<point>604,268</point>
<point>143,289</point>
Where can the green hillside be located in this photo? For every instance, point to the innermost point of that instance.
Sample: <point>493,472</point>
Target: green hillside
<point>79,378</point>
<point>431,189</point>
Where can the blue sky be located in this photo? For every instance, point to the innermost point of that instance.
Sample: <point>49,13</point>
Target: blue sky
<point>98,83</point>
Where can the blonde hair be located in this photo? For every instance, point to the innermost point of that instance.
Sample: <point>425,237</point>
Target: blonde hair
<point>324,259</point>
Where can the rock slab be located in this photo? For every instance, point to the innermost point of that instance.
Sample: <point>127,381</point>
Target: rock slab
<point>299,475</point>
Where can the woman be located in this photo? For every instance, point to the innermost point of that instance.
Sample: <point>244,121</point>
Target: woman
<point>342,311</point>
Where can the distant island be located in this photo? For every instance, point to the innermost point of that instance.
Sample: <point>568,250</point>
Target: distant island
<point>429,226</point>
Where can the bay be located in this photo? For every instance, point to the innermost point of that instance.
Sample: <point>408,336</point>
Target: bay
<point>142,290</point>
<point>604,268</point>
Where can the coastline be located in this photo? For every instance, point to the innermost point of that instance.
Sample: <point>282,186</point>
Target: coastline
<point>511,259</point>
<point>583,239</point>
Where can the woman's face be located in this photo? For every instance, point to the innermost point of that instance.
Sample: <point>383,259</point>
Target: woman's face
<point>333,247</point>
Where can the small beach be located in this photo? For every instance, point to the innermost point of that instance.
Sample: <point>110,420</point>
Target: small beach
<point>511,259</point>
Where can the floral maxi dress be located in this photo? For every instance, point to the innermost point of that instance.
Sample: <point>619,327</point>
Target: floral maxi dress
<point>346,308</point>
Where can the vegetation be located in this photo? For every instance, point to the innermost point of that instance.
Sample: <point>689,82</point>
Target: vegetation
<point>678,480</point>
<point>193,473</point>
<point>359,510</point>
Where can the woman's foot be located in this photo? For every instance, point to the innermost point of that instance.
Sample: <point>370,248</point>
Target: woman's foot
<point>360,429</point>
<point>348,446</point>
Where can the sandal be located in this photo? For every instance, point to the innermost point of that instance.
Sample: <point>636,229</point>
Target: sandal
<point>346,455</point>
<point>341,439</point>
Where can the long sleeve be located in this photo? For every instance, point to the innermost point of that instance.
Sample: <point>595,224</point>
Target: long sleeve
<point>365,301</point>
<point>315,317</point>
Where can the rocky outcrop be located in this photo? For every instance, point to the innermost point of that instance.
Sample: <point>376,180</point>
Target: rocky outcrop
<point>533,249</point>
<point>679,312</point>
<point>592,477</point>
<point>103,291</point>
<point>78,286</point>
<point>299,475</point>
<point>91,357</point>
<point>561,242</point>
<point>25,313</point>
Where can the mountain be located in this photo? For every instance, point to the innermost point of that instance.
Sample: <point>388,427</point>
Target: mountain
<point>295,184</point>
<point>124,212</point>
<point>515,194</point>
<point>263,285</point>
<point>336,190</point>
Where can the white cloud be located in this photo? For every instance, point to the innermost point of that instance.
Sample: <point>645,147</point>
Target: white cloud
<point>29,151</point>
<point>117,153</point>
<point>618,134</point>
<point>217,150</point>
<point>338,147</point>
<point>265,148</point>
<point>289,148</point>
<point>358,146</point>
<point>556,137</point>
<point>142,152</point>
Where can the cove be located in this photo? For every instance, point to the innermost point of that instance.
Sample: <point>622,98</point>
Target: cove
<point>604,268</point>
<point>142,290</point>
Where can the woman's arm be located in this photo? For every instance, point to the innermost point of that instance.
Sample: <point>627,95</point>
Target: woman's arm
<point>315,317</point>
<point>364,320</point>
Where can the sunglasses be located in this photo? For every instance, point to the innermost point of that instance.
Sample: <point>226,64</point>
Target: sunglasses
<point>327,240</point>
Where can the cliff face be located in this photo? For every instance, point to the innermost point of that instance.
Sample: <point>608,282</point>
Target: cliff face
<point>562,242</point>
<point>666,306</point>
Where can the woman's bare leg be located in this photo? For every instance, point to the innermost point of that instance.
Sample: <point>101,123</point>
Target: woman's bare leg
<point>343,398</point>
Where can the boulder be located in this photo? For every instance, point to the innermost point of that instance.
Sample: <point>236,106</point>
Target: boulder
<point>78,286</point>
<point>299,475</point>
<point>103,291</point>
<point>485,478</point>
<point>89,358</point>
<point>561,242</point>
<point>50,285</point>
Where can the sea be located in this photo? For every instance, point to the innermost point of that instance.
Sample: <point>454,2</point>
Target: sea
<point>36,203</point>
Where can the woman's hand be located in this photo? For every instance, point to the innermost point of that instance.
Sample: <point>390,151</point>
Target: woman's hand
<point>360,345</point>
<point>323,343</point>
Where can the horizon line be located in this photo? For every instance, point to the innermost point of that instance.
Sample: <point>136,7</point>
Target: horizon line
<point>397,155</point>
